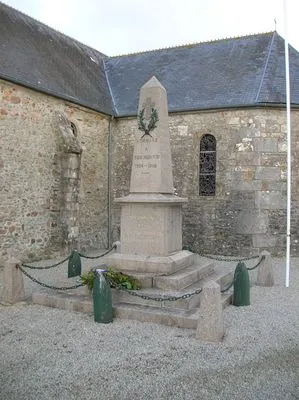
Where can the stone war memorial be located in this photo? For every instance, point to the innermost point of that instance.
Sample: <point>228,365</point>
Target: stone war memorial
<point>150,246</point>
<point>151,215</point>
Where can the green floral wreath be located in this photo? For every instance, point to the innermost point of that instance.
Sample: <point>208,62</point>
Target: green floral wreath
<point>152,124</point>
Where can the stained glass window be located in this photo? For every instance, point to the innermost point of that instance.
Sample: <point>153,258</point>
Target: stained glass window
<point>207,166</point>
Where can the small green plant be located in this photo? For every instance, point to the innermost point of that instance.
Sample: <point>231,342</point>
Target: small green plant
<point>87,279</point>
<point>117,279</point>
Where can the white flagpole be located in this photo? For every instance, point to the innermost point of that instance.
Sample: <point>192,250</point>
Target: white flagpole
<point>289,154</point>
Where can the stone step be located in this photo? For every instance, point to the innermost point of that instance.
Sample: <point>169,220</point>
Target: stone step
<point>181,313</point>
<point>146,279</point>
<point>176,281</point>
<point>121,296</point>
<point>226,299</point>
<point>156,315</point>
<point>84,304</point>
<point>64,301</point>
<point>165,316</point>
<point>188,303</point>
<point>222,277</point>
<point>178,318</point>
<point>157,265</point>
<point>185,277</point>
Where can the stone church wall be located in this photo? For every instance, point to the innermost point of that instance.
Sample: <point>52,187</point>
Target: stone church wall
<point>31,162</point>
<point>248,212</point>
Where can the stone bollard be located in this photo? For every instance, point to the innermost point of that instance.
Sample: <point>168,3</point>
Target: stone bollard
<point>210,326</point>
<point>265,275</point>
<point>13,285</point>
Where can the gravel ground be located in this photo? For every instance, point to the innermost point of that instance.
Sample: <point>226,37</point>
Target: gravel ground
<point>54,354</point>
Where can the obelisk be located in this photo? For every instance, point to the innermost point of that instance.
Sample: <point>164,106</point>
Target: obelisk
<point>151,215</point>
<point>152,165</point>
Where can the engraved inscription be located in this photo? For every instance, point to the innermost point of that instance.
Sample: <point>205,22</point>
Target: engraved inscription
<point>146,161</point>
<point>147,140</point>
<point>146,156</point>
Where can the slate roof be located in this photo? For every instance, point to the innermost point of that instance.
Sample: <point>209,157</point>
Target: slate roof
<point>236,72</point>
<point>41,58</point>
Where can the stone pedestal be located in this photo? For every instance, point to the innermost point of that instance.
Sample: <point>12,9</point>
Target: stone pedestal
<point>151,224</point>
<point>151,235</point>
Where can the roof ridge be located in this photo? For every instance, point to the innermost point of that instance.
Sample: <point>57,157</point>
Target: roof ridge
<point>192,44</point>
<point>265,68</point>
<point>53,29</point>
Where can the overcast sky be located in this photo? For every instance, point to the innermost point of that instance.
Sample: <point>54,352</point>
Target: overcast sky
<point>126,26</point>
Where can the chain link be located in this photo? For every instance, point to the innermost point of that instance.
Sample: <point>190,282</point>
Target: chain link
<point>160,298</point>
<point>252,268</point>
<point>48,266</point>
<point>229,286</point>
<point>102,255</point>
<point>49,286</point>
<point>67,258</point>
<point>248,269</point>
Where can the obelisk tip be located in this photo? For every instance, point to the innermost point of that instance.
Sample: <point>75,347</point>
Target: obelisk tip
<point>153,82</point>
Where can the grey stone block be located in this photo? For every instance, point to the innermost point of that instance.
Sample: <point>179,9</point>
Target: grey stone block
<point>251,185</point>
<point>273,160</point>
<point>267,145</point>
<point>247,158</point>
<point>252,222</point>
<point>268,173</point>
<point>261,241</point>
<point>13,285</point>
<point>270,200</point>
<point>265,275</point>
<point>210,326</point>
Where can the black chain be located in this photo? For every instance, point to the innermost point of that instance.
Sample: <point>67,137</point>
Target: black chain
<point>159,299</point>
<point>229,286</point>
<point>102,255</point>
<point>252,268</point>
<point>48,266</point>
<point>49,286</point>
<point>65,259</point>
<point>248,269</point>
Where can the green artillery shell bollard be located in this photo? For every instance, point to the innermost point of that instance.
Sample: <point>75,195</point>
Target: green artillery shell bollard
<point>102,299</point>
<point>241,296</point>
<point>74,264</point>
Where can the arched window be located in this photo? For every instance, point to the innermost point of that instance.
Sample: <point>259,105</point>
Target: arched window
<point>74,129</point>
<point>207,166</point>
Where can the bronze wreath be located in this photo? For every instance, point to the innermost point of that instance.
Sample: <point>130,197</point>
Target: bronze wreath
<point>152,124</point>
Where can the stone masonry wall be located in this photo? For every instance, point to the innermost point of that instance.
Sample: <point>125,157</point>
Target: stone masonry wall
<point>31,200</point>
<point>248,212</point>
